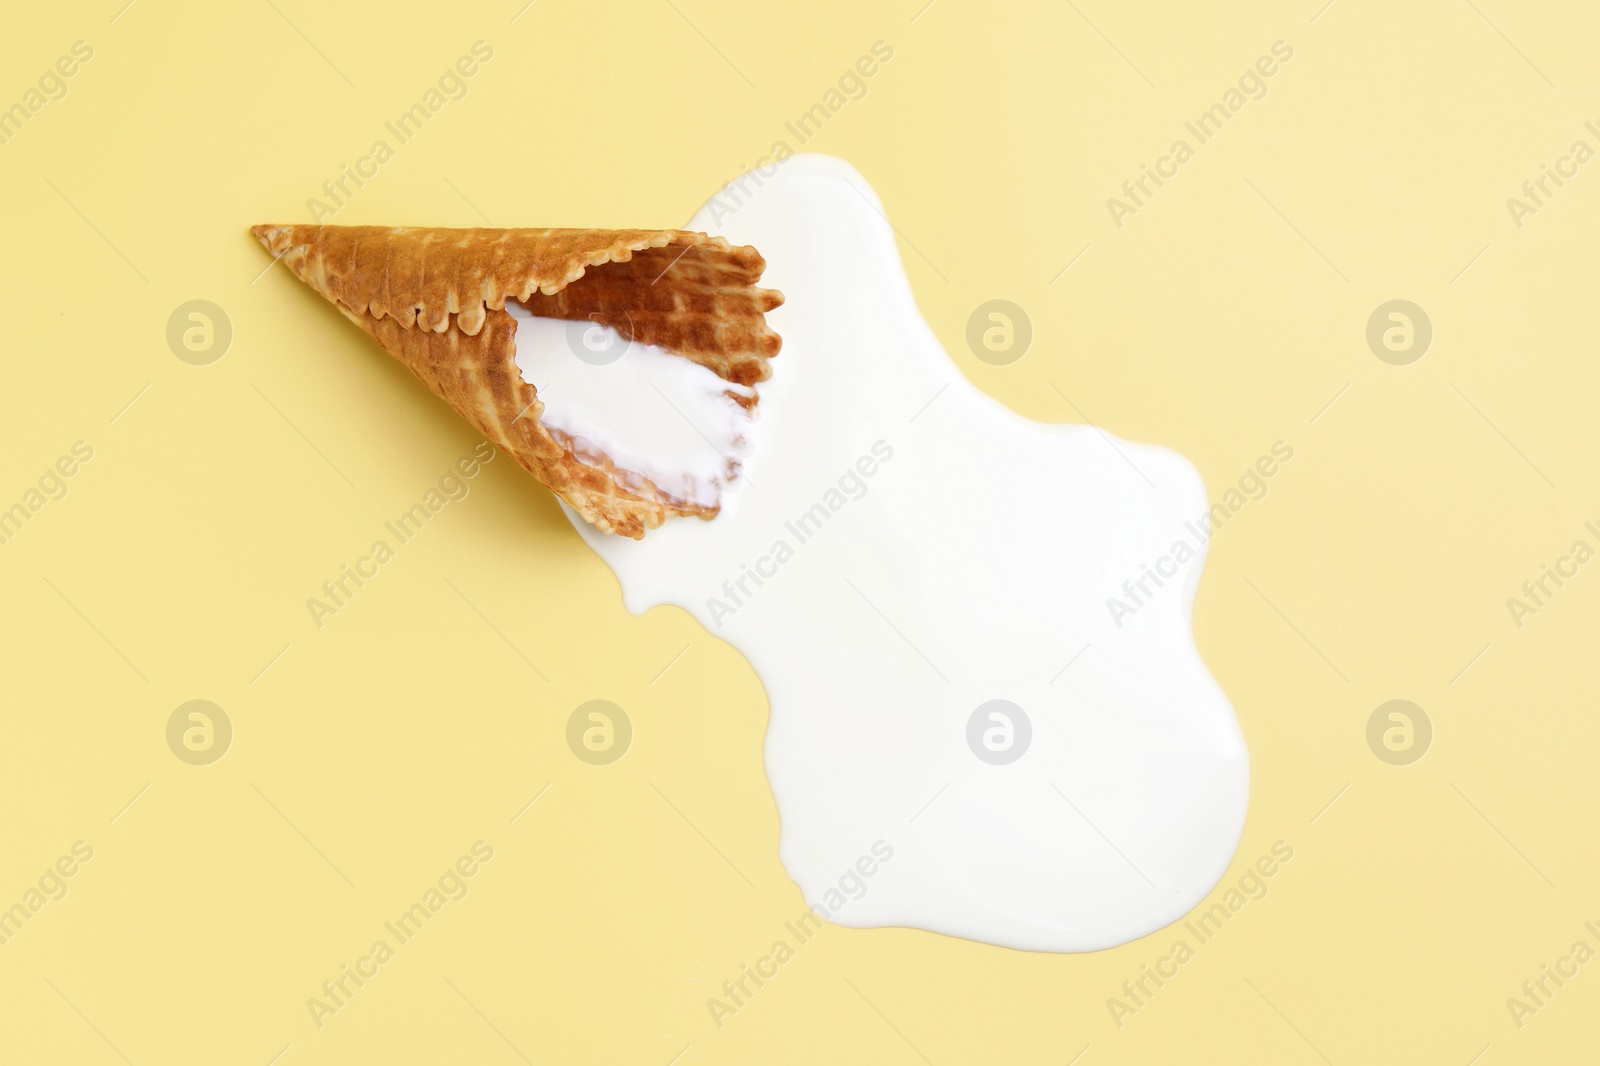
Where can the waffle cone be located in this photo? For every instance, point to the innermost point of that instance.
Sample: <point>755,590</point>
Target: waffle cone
<point>435,299</point>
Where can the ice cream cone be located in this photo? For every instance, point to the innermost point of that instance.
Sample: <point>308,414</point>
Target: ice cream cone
<point>435,299</point>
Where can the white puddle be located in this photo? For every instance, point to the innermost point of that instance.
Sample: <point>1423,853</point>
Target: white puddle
<point>891,565</point>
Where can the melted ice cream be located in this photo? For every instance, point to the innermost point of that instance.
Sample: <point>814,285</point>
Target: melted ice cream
<point>652,413</point>
<point>905,551</point>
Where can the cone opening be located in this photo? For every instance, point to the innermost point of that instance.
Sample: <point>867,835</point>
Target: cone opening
<point>659,425</point>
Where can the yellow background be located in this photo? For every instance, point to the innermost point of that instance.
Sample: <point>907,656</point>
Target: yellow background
<point>370,754</point>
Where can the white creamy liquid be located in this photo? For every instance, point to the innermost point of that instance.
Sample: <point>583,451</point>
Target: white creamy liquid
<point>652,413</point>
<point>973,564</point>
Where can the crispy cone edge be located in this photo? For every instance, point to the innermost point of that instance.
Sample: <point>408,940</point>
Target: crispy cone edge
<point>435,299</point>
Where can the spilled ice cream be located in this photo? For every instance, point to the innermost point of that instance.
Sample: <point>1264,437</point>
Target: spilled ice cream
<point>918,576</point>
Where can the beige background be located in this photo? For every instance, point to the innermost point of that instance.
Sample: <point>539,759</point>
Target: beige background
<point>1228,313</point>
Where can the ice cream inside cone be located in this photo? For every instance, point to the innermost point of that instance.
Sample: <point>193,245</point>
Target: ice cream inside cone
<point>660,423</point>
